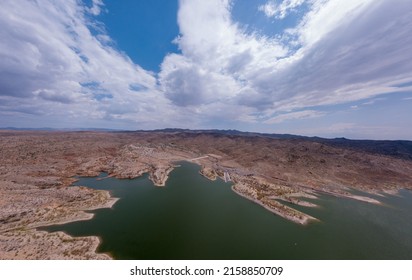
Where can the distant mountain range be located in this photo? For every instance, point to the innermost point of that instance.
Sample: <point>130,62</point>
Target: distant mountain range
<point>395,148</point>
<point>57,129</point>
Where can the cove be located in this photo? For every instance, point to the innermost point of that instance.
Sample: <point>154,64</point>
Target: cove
<point>195,218</point>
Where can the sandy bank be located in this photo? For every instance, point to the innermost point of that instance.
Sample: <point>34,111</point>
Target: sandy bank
<point>32,244</point>
<point>280,209</point>
<point>363,198</point>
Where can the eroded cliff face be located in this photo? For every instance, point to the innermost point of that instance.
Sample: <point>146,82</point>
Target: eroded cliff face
<point>37,169</point>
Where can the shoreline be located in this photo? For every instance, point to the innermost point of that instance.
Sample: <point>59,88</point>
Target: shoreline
<point>28,239</point>
<point>37,170</point>
<point>83,215</point>
<point>303,218</point>
<point>352,196</point>
<point>305,221</point>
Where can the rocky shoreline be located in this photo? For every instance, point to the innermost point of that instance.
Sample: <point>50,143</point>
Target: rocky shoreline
<point>38,168</point>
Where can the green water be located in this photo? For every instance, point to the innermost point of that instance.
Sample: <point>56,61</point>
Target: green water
<point>194,218</point>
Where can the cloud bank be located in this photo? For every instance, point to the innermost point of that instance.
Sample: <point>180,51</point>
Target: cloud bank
<point>58,62</point>
<point>55,63</point>
<point>347,51</point>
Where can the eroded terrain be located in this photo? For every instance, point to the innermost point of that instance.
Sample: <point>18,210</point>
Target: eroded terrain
<point>37,169</point>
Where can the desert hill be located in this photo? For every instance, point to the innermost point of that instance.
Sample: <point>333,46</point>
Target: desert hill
<point>37,168</point>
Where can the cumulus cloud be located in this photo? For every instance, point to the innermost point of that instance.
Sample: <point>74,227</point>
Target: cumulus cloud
<point>342,51</point>
<point>186,83</point>
<point>280,11</point>
<point>51,60</point>
<point>218,59</point>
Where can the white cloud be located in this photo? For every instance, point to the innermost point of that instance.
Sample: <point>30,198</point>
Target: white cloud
<point>328,15</point>
<point>218,59</point>
<point>361,55</point>
<point>51,62</point>
<point>187,83</point>
<point>307,114</point>
<point>96,7</point>
<point>280,11</point>
<point>335,63</point>
<point>373,101</point>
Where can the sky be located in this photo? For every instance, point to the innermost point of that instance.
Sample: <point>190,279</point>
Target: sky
<point>328,68</point>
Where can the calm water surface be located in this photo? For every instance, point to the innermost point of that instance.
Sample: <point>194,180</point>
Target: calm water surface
<point>194,218</point>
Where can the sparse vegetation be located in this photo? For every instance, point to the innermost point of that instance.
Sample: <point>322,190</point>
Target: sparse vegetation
<point>38,168</point>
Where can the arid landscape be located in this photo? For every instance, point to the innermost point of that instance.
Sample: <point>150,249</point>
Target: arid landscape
<point>37,170</point>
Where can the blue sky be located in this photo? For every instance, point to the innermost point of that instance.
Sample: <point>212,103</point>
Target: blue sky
<point>144,30</point>
<point>328,68</point>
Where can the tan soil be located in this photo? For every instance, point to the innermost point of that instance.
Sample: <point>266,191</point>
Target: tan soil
<point>37,169</point>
